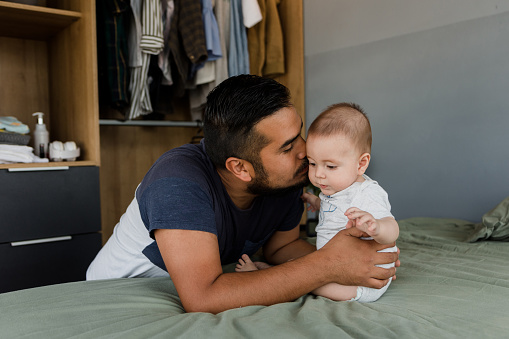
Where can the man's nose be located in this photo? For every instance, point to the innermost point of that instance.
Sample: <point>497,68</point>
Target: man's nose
<point>301,148</point>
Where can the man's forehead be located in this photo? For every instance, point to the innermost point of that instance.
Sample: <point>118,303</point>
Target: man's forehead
<point>281,128</point>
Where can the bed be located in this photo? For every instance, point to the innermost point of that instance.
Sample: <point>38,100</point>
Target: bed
<point>453,282</point>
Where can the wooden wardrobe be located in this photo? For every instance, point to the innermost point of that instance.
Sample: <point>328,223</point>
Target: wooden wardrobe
<point>50,212</point>
<point>127,152</point>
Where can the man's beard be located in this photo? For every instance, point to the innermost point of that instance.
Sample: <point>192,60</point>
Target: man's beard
<point>260,184</point>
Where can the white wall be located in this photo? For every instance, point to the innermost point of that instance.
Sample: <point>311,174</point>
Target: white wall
<point>433,77</point>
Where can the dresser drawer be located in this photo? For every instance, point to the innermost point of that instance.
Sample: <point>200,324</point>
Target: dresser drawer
<point>47,261</point>
<point>49,203</point>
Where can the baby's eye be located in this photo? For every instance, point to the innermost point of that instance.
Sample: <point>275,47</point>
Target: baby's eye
<point>331,167</point>
<point>311,164</point>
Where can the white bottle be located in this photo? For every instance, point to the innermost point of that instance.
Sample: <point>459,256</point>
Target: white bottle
<point>41,137</point>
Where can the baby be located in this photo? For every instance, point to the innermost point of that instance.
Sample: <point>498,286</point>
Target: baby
<point>338,149</point>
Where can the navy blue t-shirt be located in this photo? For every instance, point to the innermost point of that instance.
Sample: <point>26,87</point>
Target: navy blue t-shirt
<point>182,190</point>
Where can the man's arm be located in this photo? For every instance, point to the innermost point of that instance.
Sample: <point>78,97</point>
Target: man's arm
<point>286,246</point>
<point>192,260</point>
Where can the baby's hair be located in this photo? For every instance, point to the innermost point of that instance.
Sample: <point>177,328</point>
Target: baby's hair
<point>346,119</point>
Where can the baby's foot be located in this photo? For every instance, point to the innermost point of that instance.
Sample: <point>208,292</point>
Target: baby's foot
<point>245,264</point>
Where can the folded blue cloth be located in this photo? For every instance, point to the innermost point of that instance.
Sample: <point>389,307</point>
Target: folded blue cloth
<point>11,124</point>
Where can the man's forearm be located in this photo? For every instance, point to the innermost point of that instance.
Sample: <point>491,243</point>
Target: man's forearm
<point>192,260</point>
<point>281,283</point>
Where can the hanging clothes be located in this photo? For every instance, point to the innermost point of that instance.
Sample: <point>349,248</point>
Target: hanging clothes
<point>112,51</point>
<point>265,41</point>
<point>212,39</point>
<point>222,9</point>
<point>192,43</point>
<point>215,71</point>
<point>160,73</point>
<point>163,61</point>
<point>151,43</point>
<point>238,57</point>
<point>204,72</point>
<point>187,40</point>
<point>204,79</point>
<point>251,13</point>
<point>134,34</point>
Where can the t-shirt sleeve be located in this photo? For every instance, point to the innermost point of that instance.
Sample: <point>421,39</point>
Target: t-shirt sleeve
<point>375,200</point>
<point>176,203</point>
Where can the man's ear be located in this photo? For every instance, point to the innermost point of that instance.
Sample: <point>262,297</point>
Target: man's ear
<point>363,163</point>
<point>240,168</point>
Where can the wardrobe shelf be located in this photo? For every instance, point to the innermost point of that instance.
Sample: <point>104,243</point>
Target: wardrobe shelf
<point>33,22</point>
<point>48,164</point>
<point>150,123</point>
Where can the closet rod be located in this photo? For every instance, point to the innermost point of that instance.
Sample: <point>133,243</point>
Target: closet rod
<point>154,123</point>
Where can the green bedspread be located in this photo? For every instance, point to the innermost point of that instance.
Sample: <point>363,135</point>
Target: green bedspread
<point>446,287</point>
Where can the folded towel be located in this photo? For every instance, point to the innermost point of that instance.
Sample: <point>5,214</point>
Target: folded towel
<point>13,138</point>
<point>10,154</point>
<point>11,124</point>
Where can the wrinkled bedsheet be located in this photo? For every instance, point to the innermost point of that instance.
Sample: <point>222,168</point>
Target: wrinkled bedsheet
<point>446,287</point>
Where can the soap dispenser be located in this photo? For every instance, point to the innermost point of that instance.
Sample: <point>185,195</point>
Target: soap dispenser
<point>41,137</point>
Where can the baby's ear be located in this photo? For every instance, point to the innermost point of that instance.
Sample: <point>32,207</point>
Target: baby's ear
<point>363,163</point>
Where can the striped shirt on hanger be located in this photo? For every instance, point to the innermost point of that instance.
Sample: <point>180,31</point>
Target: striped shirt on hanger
<point>151,43</point>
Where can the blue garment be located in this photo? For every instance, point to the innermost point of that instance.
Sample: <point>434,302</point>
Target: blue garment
<point>238,57</point>
<point>182,190</point>
<point>212,39</point>
<point>211,31</point>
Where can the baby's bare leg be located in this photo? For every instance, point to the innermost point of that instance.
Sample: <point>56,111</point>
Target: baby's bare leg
<point>245,264</point>
<point>336,292</point>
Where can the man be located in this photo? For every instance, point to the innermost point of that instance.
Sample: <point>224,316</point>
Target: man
<point>202,206</point>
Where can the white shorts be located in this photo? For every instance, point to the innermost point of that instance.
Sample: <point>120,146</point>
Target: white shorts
<point>366,294</point>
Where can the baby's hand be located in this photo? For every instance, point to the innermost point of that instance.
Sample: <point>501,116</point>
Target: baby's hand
<point>312,200</point>
<point>362,220</point>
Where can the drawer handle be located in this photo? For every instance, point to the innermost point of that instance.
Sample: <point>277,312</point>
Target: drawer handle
<point>40,241</point>
<point>33,169</point>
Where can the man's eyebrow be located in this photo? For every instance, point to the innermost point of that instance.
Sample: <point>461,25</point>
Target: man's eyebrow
<point>289,141</point>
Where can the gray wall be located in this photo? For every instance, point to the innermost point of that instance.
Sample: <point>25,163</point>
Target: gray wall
<point>436,88</point>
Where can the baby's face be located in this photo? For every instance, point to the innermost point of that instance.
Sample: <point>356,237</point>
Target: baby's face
<point>333,162</point>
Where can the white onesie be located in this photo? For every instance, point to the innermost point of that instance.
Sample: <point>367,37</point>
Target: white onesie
<point>367,196</point>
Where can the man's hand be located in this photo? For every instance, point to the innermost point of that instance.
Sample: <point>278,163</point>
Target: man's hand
<point>353,261</point>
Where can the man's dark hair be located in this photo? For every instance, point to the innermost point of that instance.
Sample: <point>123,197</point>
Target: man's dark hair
<point>233,108</point>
